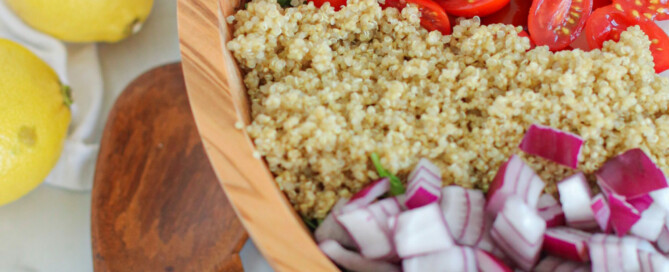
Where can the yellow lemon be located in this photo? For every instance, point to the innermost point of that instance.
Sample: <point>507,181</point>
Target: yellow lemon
<point>84,20</point>
<point>34,118</point>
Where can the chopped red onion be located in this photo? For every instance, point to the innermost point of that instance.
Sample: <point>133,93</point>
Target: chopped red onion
<point>352,260</point>
<point>575,198</point>
<point>551,211</point>
<point>663,241</point>
<point>330,229</point>
<point>486,243</point>
<point>602,212</point>
<point>452,259</point>
<point>382,211</point>
<point>368,194</point>
<point>623,214</point>
<point>567,243</point>
<point>519,231</point>
<point>464,214</point>
<point>367,233</point>
<point>650,224</point>
<point>489,263</point>
<point>653,262</point>
<point>552,144</point>
<point>421,231</point>
<point>424,185</point>
<point>555,264</point>
<point>612,253</point>
<point>661,197</point>
<point>400,200</point>
<point>422,195</point>
<point>426,166</point>
<point>514,178</point>
<point>631,174</point>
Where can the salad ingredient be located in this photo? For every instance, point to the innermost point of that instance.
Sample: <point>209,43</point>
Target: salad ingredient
<point>623,214</point>
<point>549,143</point>
<point>551,211</point>
<point>640,10</point>
<point>653,262</point>
<point>557,23</point>
<point>489,263</point>
<point>515,13</point>
<point>324,96</point>
<point>663,240</point>
<point>352,260</point>
<point>396,186</point>
<point>650,223</point>
<point>514,178</point>
<point>575,198</point>
<point>424,185</point>
<point>567,243</point>
<point>383,210</point>
<point>611,253</point>
<point>602,212</point>
<point>336,4</point>
<point>555,264</point>
<point>471,8</point>
<point>453,259</point>
<point>432,17</point>
<point>330,229</point>
<point>608,22</point>
<point>367,195</point>
<point>631,174</point>
<point>369,236</point>
<point>421,231</point>
<point>464,214</point>
<point>519,231</point>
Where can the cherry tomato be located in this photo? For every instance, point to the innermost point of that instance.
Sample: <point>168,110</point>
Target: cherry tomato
<point>600,3</point>
<point>471,8</point>
<point>432,17</point>
<point>608,23</point>
<point>644,9</point>
<point>557,23</point>
<point>515,13</point>
<point>336,4</point>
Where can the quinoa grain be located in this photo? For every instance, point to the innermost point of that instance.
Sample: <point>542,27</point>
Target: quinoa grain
<point>329,88</point>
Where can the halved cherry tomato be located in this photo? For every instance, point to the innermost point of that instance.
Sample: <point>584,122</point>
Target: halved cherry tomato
<point>608,23</point>
<point>432,16</point>
<point>515,13</point>
<point>557,23</point>
<point>471,8</point>
<point>644,9</point>
<point>600,3</point>
<point>336,4</point>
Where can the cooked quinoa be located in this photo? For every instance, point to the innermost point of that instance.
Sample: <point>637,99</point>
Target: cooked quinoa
<point>329,88</point>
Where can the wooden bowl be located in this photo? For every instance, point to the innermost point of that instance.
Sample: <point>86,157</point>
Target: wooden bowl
<point>219,101</point>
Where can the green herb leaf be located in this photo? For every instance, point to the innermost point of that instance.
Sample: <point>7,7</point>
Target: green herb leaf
<point>67,95</point>
<point>284,3</point>
<point>396,186</point>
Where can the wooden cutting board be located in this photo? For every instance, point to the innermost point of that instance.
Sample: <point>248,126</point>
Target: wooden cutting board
<point>157,205</point>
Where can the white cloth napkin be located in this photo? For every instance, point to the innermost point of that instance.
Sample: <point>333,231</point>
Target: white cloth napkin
<point>78,66</point>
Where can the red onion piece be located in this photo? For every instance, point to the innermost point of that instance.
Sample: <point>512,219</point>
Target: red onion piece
<point>663,241</point>
<point>519,231</point>
<point>661,197</point>
<point>464,214</point>
<point>602,211</point>
<point>514,178</point>
<point>421,231</point>
<point>555,264</point>
<point>330,229</point>
<point>369,236</point>
<point>551,211</point>
<point>631,174</point>
<point>623,214</point>
<point>650,224</point>
<point>567,243</point>
<point>400,200</point>
<point>552,144</point>
<point>489,263</point>
<point>653,262</point>
<point>427,167</point>
<point>422,195</point>
<point>352,260</point>
<point>612,253</point>
<point>368,195</point>
<point>424,185</point>
<point>575,198</point>
<point>384,209</point>
<point>452,259</point>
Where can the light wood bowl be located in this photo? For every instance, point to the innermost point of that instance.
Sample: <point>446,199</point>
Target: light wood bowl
<point>218,100</point>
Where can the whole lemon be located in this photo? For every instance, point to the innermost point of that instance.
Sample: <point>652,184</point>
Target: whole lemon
<point>34,118</point>
<point>84,20</point>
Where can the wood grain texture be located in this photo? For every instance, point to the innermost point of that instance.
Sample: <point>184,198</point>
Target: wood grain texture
<point>157,205</point>
<point>218,100</point>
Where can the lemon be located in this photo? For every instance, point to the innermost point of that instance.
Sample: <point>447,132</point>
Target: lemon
<point>34,117</point>
<point>84,20</point>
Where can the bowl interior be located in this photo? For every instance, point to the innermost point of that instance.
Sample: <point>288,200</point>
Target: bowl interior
<point>219,102</point>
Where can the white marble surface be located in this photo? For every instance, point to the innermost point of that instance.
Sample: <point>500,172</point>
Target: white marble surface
<point>49,229</point>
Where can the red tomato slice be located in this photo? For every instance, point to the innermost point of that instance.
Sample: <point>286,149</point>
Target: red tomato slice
<point>608,22</point>
<point>515,13</point>
<point>600,3</point>
<point>336,4</point>
<point>471,8</point>
<point>432,17</point>
<point>644,9</point>
<point>557,23</point>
